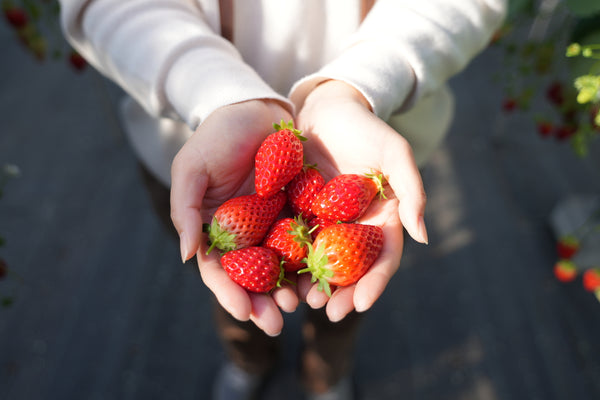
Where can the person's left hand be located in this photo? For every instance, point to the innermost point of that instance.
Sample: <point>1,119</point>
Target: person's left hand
<point>344,136</point>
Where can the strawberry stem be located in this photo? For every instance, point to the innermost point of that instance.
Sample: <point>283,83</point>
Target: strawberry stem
<point>379,180</point>
<point>290,127</point>
<point>219,237</point>
<point>317,262</point>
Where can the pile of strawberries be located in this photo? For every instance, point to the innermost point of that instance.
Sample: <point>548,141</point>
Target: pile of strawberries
<point>259,242</point>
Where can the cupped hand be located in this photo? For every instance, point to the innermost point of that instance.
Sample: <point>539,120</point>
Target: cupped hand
<point>214,165</point>
<point>344,136</point>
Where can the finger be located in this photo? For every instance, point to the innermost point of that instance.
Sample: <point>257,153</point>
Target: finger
<point>265,314</point>
<point>303,286</point>
<point>404,177</point>
<point>188,185</point>
<point>341,303</point>
<point>316,298</point>
<point>370,287</point>
<point>286,298</point>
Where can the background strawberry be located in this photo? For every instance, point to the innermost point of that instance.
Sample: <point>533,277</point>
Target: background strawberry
<point>342,253</point>
<point>16,17</point>
<point>256,269</point>
<point>591,279</point>
<point>303,188</point>
<point>567,246</point>
<point>346,197</point>
<point>289,238</point>
<point>565,270</point>
<point>278,159</point>
<point>243,221</point>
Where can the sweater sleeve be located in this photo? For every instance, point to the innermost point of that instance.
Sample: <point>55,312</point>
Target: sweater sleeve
<point>165,54</point>
<point>406,49</point>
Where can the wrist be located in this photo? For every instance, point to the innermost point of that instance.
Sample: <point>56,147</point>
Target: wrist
<point>337,90</point>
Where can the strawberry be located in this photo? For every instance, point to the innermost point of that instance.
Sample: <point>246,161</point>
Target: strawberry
<point>303,188</point>
<point>564,132</point>
<point>342,253</point>
<point>567,246</point>
<point>289,238</point>
<point>3,269</point>
<point>77,61</point>
<point>243,221</point>
<point>555,93</point>
<point>346,197</point>
<point>565,270</point>
<point>591,279</point>
<point>545,128</point>
<point>509,105</point>
<point>16,17</point>
<point>278,159</point>
<point>254,268</point>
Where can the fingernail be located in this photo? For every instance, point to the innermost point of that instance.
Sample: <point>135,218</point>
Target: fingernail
<point>423,230</point>
<point>183,246</point>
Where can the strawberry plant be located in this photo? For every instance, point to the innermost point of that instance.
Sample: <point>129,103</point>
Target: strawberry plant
<point>555,73</point>
<point>551,73</point>
<point>36,26</point>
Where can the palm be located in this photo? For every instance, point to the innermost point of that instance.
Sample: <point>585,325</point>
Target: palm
<point>215,165</point>
<point>362,144</point>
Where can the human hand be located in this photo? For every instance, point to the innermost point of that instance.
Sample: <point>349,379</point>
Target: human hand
<point>344,136</point>
<point>214,165</point>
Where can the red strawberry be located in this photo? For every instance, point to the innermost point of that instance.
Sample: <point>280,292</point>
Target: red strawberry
<point>3,269</point>
<point>342,253</point>
<point>302,189</point>
<point>567,246</point>
<point>278,159</point>
<point>545,128</point>
<point>565,270</point>
<point>509,105</point>
<point>289,238</point>
<point>16,17</point>
<point>254,268</point>
<point>77,61</point>
<point>564,132</point>
<point>346,197</point>
<point>555,93</point>
<point>243,221</point>
<point>591,279</point>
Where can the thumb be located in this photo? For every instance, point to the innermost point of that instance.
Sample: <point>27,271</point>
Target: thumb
<point>405,180</point>
<point>188,186</point>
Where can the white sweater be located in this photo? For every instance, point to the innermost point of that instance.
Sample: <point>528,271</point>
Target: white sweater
<point>170,57</point>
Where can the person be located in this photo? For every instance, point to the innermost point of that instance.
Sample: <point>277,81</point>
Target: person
<point>366,82</point>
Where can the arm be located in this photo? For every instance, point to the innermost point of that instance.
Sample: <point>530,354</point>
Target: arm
<point>404,50</point>
<point>165,54</point>
<point>168,57</point>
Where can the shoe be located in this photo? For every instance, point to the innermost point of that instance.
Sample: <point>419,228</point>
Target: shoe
<point>233,383</point>
<point>343,390</point>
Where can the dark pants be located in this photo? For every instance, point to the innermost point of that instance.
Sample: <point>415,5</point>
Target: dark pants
<point>327,350</point>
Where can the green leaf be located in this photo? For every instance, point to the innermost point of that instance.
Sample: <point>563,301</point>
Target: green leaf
<point>583,8</point>
<point>588,87</point>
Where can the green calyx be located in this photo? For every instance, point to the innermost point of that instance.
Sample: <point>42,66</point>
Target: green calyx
<point>219,237</point>
<point>300,231</point>
<point>290,127</point>
<point>317,262</point>
<point>379,180</point>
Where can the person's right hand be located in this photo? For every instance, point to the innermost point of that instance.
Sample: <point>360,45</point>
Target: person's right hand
<point>214,165</point>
